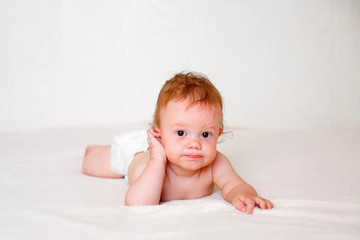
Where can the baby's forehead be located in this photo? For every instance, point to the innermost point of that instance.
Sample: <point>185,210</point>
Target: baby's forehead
<point>176,110</point>
<point>188,105</point>
<point>180,111</point>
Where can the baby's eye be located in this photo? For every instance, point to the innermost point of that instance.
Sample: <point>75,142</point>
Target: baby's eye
<point>206,134</point>
<point>180,133</point>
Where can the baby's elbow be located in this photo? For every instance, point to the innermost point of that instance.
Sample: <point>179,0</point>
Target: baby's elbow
<point>132,202</point>
<point>138,201</point>
<point>129,201</point>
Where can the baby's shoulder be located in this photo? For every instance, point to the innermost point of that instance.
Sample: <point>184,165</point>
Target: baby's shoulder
<point>220,158</point>
<point>220,164</point>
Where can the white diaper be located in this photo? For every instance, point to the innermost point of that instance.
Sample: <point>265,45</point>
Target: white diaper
<point>125,147</point>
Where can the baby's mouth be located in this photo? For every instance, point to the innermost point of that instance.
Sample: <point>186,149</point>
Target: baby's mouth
<point>193,156</point>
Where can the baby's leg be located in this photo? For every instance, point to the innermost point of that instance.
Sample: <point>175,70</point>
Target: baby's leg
<point>97,162</point>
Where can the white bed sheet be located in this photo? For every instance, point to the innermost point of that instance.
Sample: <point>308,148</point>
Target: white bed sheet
<point>312,177</point>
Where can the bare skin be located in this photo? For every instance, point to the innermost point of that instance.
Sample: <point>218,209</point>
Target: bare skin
<point>182,162</point>
<point>97,162</point>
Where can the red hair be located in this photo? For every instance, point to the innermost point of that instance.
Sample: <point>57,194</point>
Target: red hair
<point>194,87</point>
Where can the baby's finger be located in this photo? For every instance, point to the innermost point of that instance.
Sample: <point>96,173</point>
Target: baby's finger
<point>250,204</point>
<point>269,204</point>
<point>150,136</point>
<point>156,135</point>
<point>239,205</point>
<point>260,202</point>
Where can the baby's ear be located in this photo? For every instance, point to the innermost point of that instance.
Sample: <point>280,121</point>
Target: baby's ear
<point>220,132</point>
<point>157,130</point>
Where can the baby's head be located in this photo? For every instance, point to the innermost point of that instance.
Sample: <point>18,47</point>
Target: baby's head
<point>194,88</point>
<point>189,120</point>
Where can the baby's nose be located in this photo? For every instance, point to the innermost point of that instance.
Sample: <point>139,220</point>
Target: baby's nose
<point>194,143</point>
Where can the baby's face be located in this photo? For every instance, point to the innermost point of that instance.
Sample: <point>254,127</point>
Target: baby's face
<point>189,135</point>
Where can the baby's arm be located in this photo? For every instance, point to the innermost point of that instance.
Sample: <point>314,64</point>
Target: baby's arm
<point>146,174</point>
<point>234,189</point>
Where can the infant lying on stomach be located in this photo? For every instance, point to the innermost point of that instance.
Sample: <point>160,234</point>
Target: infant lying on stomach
<point>178,159</point>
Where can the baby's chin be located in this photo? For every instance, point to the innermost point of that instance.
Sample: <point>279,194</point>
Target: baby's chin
<point>190,164</point>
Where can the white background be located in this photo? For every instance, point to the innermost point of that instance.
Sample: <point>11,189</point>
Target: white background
<point>279,64</point>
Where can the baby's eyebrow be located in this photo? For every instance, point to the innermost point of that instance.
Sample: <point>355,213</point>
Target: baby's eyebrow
<point>211,127</point>
<point>178,125</point>
<point>186,125</point>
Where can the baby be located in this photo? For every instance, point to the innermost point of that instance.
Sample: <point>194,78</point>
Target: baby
<point>180,160</point>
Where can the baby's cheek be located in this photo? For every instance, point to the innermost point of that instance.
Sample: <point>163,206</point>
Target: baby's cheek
<point>211,150</point>
<point>215,149</point>
<point>169,151</point>
<point>214,154</point>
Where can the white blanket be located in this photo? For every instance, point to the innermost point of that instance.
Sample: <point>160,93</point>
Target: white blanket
<point>312,177</point>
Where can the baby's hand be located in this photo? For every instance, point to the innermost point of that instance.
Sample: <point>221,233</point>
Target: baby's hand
<point>247,202</point>
<point>157,151</point>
